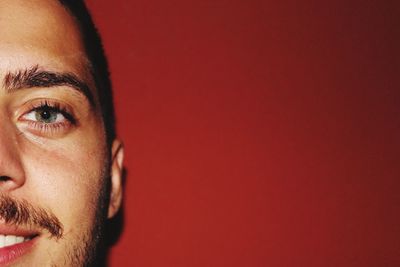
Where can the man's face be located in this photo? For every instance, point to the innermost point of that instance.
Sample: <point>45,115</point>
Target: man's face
<point>54,161</point>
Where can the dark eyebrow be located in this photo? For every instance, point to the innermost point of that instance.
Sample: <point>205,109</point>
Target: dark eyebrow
<point>34,77</point>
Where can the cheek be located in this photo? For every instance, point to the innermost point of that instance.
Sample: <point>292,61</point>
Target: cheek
<point>65,176</point>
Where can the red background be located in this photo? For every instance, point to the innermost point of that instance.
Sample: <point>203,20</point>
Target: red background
<point>257,133</point>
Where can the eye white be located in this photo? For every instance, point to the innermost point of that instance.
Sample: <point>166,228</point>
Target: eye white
<point>32,116</point>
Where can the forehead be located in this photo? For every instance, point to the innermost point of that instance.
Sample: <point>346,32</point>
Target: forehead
<point>39,32</point>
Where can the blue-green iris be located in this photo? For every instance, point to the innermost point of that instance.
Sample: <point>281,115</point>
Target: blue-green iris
<point>46,115</point>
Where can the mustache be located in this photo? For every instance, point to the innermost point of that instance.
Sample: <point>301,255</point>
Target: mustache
<point>21,212</point>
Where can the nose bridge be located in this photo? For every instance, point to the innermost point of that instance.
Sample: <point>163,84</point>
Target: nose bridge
<point>11,169</point>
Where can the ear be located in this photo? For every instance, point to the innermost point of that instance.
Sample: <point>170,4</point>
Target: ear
<point>117,158</point>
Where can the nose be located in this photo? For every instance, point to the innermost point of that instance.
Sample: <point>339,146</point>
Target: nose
<point>12,175</point>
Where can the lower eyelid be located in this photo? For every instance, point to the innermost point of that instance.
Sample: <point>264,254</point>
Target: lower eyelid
<point>46,129</point>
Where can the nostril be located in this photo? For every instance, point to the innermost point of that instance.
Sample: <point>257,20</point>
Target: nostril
<point>4,178</point>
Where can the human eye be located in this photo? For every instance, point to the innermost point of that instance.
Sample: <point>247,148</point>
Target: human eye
<point>47,117</point>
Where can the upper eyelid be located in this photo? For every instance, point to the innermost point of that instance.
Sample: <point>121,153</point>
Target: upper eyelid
<point>53,104</point>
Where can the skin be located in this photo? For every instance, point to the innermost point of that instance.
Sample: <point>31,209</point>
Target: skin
<point>61,168</point>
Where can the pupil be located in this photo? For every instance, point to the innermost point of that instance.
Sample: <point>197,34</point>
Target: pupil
<point>46,114</point>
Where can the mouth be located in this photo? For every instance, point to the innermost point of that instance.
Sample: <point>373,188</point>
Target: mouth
<point>14,243</point>
<point>11,240</point>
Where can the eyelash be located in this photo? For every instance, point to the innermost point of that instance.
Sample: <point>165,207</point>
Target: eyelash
<point>52,127</point>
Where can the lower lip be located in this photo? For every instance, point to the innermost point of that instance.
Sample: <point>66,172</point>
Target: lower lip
<point>12,253</point>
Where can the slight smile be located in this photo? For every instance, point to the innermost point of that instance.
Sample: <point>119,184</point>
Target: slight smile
<point>14,243</point>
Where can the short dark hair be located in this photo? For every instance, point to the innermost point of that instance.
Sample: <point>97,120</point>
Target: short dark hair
<point>99,65</point>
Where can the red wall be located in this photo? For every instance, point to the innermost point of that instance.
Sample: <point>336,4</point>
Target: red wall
<point>257,133</point>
